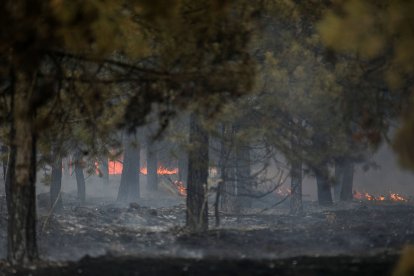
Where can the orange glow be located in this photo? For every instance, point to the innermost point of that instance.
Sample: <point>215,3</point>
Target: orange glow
<point>391,197</point>
<point>397,197</point>
<point>161,170</point>
<point>115,168</point>
<point>182,191</point>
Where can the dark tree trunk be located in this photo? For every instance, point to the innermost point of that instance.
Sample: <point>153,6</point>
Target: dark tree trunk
<point>228,166</point>
<point>11,163</point>
<point>152,166</point>
<point>80,178</point>
<point>129,187</point>
<point>66,167</point>
<point>104,170</point>
<point>22,245</point>
<point>243,175</point>
<point>56,184</point>
<point>347,173</point>
<point>197,205</point>
<point>183,165</point>
<point>5,152</point>
<point>296,206</point>
<point>323,185</point>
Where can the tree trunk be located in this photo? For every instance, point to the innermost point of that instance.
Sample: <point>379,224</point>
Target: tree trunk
<point>243,175</point>
<point>227,162</point>
<point>104,170</point>
<point>347,180</point>
<point>11,163</point>
<point>22,245</point>
<point>197,205</point>
<point>152,166</point>
<point>183,165</point>
<point>66,167</point>
<point>4,152</point>
<point>129,187</point>
<point>296,206</point>
<point>80,178</point>
<point>56,184</point>
<point>323,185</point>
<point>344,174</point>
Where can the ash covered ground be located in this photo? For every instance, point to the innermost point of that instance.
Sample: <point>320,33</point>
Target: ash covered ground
<point>154,228</point>
<point>97,229</point>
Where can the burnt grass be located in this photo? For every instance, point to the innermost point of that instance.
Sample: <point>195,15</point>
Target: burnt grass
<point>360,238</point>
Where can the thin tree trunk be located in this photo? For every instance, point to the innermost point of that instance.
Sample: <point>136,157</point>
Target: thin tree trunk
<point>22,245</point>
<point>152,166</point>
<point>11,163</point>
<point>323,185</point>
<point>104,170</point>
<point>129,187</point>
<point>228,197</point>
<point>4,151</point>
<point>66,167</point>
<point>80,178</point>
<point>56,184</point>
<point>339,179</point>
<point>197,207</point>
<point>243,175</point>
<point>296,206</point>
<point>183,166</point>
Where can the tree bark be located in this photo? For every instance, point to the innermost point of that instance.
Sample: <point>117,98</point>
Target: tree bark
<point>22,245</point>
<point>347,180</point>
<point>80,178</point>
<point>104,170</point>
<point>11,163</point>
<point>4,152</point>
<point>183,165</point>
<point>243,175</point>
<point>129,187</point>
<point>344,175</point>
<point>323,185</point>
<point>152,166</point>
<point>56,184</point>
<point>66,167</point>
<point>228,166</point>
<point>296,206</point>
<point>197,206</point>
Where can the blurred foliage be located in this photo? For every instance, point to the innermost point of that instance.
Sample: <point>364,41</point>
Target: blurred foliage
<point>301,96</point>
<point>405,266</point>
<point>379,31</point>
<point>104,65</point>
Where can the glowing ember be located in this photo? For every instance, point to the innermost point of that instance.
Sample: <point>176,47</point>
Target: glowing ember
<point>182,191</point>
<point>391,197</point>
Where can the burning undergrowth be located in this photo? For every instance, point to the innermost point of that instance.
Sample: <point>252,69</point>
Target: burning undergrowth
<point>390,197</point>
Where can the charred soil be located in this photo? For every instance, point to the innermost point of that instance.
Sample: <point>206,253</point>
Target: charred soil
<point>354,239</point>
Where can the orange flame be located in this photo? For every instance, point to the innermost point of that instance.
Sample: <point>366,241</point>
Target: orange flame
<point>115,168</point>
<point>161,170</point>
<point>182,191</point>
<point>391,197</point>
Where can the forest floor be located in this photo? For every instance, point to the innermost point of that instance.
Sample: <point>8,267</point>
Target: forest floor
<point>359,238</point>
